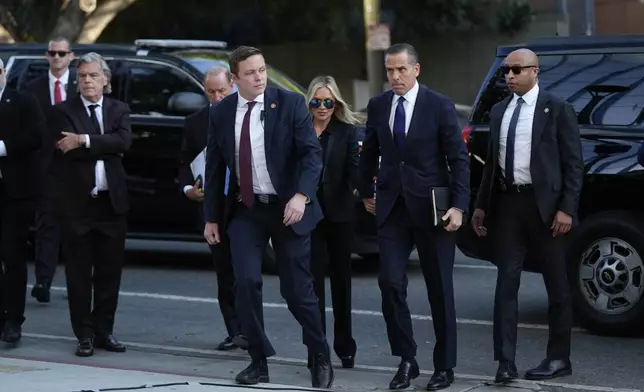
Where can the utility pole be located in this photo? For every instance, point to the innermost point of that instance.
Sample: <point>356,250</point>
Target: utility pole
<point>590,17</point>
<point>377,40</point>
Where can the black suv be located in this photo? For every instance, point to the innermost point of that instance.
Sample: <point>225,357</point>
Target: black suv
<point>162,81</point>
<point>603,79</point>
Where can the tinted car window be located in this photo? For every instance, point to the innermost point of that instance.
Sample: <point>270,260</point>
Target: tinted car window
<point>604,89</point>
<point>152,84</point>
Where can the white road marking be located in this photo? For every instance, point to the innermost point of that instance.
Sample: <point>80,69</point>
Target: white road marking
<point>490,267</point>
<point>360,312</point>
<point>189,350</point>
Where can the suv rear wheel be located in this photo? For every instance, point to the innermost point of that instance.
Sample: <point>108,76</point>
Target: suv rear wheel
<point>606,273</point>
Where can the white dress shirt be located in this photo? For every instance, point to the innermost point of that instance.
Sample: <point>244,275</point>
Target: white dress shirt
<point>63,85</point>
<point>261,179</point>
<point>523,138</point>
<point>99,169</point>
<point>409,104</point>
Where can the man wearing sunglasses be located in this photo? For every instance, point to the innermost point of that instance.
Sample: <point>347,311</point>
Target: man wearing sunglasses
<point>528,197</point>
<point>49,89</point>
<point>415,132</point>
<point>20,140</point>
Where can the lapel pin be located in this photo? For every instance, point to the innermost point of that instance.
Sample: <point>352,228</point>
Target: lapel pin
<point>546,110</point>
<point>8,100</point>
<point>273,106</point>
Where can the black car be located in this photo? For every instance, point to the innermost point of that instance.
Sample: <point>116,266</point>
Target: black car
<point>162,82</point>
<point>603,79</point>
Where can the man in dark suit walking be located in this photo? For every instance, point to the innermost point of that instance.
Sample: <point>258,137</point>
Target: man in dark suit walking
<point>529,195</point>
<point>265,137</point>
<point>415,132</point>
<point>218,85</point>
<point>21,122</point>
<point>91,202</point>
<point>49,89</point>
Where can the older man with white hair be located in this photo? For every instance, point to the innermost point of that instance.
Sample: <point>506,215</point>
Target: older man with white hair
<point>218,85</point>
<point>21,121</point>
<point>91,201</point>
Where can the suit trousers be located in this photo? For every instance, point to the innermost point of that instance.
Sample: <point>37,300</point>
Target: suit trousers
<point>226,285</point>
<point>519,230</point>
<point>93,248</point>
<point>15,218</point>
<point>249,231</point>
<point>47,246</point>
<point>331,252</point>
<point>436,250</point>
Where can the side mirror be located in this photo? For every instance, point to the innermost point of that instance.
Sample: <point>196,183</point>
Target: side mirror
<point>186,103</point>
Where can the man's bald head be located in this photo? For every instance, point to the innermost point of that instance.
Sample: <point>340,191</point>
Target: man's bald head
<point>523,56</point>
<point>521,68</point>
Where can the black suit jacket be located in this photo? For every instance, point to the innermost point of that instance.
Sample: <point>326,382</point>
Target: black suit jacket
<point>195,136</point>
<point>340,172</point>
<point>39,88</point>
<point>435,156</point>
<point>293,155</point>
<point>74,171</point>
<point>556,163</point>
<point>21,122</point>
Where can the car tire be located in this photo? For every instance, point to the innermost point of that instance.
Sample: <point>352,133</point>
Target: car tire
<point>269,265</point>
<point>606,273</point>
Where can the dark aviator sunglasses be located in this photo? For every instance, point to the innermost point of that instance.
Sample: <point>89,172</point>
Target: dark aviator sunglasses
<point>316,103</point>
<point>516,69</point>
<point>60,53</point>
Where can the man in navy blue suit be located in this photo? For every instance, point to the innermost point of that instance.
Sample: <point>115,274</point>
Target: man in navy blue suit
<point>415,133</point>
<point>265,137</point>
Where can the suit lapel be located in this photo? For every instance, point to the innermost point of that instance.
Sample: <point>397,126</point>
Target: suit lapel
<point>495,128</point>
<point>71,86</point>
<point>270,110</point>
<point>229,128</point>
<point>415,114</point>
<point>5,102</point>
<point>107,114</point>
<point>333,140</point>
<point>541,115</point>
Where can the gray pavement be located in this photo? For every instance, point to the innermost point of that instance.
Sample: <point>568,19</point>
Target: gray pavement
<point>171,322</point>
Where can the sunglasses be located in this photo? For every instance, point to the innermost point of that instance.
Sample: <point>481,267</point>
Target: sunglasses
<point>316,103</point>
<point>516,69</point>
<point>60,53</point>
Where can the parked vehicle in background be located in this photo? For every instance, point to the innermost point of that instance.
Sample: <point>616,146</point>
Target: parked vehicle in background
<point>162,82</point>
<point>602,77</point>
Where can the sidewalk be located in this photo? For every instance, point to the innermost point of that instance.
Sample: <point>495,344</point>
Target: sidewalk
<point>50,366</point>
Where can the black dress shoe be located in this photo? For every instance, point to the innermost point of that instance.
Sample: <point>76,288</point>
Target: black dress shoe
<point>255,373</point>
<point>407,371</point>
<point>11,333</point>
<point>41,293</point>
<point>441,379</point>
<point>227,345</point>
<point>321,371</point>
<point>549,369</point>
<point>506,372</point>
<point>240,341</point>
<point>85,348</point>
<point>348,362</point>
<point>109,343</point>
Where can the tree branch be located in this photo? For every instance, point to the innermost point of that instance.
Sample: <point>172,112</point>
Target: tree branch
<point>98,20</point>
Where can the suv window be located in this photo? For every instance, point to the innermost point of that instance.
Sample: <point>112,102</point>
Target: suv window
<point>604,89</point>
<point>152,84</point>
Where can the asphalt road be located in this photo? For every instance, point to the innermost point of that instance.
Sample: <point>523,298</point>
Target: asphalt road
<point>172,304</point>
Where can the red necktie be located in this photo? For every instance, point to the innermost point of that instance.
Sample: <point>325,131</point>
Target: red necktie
<point>245,161</point>
<point>58,96</point>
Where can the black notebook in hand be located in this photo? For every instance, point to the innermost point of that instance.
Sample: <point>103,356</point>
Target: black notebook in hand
<point>440,204</point>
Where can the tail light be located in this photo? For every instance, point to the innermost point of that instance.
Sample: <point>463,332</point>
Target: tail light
<point>465,133</point>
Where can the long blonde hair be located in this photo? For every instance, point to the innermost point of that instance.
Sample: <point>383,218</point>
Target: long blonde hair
<point>342,110</point>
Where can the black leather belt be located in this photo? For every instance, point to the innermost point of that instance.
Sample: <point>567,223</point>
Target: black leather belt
<point>263,198</point>
<point>516,188</point>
